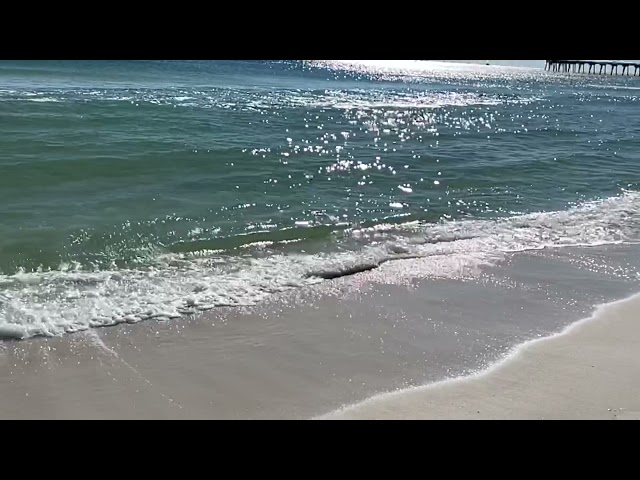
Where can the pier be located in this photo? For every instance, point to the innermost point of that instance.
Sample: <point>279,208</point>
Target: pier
<point>596,67</point>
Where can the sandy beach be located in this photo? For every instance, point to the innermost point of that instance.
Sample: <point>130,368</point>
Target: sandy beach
<point>306,355</point>
<point>588,371</point>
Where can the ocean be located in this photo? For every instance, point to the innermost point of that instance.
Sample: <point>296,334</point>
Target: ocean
<point>155,191</point>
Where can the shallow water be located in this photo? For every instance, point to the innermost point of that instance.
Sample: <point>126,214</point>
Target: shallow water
<point>150,190</point>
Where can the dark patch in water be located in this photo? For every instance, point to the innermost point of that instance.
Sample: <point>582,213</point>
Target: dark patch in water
<point>362,267</point>
<point>331,274</point>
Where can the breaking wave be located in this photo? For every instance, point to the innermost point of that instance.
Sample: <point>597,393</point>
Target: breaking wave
<point>186,281</point>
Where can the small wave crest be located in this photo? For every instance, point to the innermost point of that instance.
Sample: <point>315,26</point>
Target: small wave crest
<point>238,99</point>
<point>182,282</point>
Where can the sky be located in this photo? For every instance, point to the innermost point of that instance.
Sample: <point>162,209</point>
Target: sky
<point>510,63</point>
<point>518,63</point>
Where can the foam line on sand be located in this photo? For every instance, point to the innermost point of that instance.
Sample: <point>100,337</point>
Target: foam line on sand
<point>589,370</point>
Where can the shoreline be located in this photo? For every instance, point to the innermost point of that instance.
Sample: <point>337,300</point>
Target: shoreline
<point>461,397</point>
<point>320,350</point>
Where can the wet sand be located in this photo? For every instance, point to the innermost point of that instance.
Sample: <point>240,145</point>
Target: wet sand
<point>589,371</point>
<point>314,351</point>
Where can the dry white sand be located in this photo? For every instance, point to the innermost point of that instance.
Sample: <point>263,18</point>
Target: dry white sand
<point>591,370</point>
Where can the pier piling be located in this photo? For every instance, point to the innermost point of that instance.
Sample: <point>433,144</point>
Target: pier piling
<point>580,66</point>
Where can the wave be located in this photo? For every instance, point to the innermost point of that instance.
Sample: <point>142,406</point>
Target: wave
<point>191,280</point>
<point>308,230</point>
<point>256,99</point>
<point>44,100</point>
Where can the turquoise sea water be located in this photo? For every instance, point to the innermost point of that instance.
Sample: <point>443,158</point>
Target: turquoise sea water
<point>132,190</point>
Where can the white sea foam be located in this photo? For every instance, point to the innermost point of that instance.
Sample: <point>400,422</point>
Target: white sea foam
<point>70,300</point>
<point>44,100</point>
